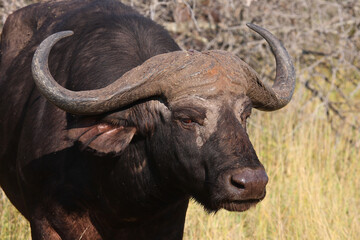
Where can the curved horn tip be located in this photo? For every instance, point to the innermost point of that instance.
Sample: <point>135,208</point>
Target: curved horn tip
<point>62,34</point>
<point>258,29</point>
<point>50,41</point>
<point>39,66</point>
<point>65,33</point>
<point>284,84</point>
<point>55,37</point>
<point>251,25</point>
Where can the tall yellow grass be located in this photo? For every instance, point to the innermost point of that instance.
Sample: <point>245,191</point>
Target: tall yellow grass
<point>313,192</point>
<point>12,225</point>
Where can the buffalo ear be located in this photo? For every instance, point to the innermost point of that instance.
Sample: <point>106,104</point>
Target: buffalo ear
<point>103,139</point>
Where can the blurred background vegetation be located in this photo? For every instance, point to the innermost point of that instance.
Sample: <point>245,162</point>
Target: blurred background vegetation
<point>310,148</point>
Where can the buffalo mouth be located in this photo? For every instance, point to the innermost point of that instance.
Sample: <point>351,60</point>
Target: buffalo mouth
<point>239,205</point>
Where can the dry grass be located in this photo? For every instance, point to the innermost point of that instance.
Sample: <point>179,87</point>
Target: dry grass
<point>12,224</point>
<point>311,148</point>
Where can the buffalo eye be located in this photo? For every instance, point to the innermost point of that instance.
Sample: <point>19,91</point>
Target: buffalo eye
<point>187,121</point>
<point>189,116</point>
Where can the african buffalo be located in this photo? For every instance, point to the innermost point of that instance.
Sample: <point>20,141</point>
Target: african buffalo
<point>132,127</point>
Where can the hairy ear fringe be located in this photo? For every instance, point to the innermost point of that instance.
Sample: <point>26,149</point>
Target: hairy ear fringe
<point>103,139</point>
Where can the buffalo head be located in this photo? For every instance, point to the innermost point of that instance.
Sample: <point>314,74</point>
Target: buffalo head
<point>201,101</point>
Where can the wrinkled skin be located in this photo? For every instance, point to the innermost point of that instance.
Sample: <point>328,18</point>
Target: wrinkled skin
<point>127,174</point>
<point>213,144</point>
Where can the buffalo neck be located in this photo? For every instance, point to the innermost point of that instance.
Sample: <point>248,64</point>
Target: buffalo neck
<point>139,202</point>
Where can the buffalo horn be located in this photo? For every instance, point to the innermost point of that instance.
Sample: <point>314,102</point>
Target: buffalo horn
<point>272,98</point>
<point>129,88</point>
<point>151,79</point>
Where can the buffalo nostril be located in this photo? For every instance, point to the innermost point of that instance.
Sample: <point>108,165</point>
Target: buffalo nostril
<point>238,182</point>
<point>251,182</point>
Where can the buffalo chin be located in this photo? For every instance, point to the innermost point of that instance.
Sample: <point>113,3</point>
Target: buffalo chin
<point>239,206</point>
<point>232,206</point>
